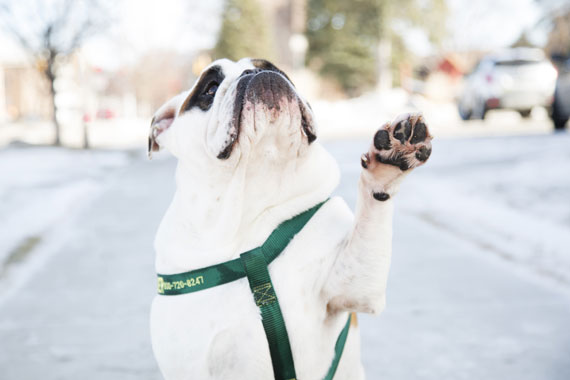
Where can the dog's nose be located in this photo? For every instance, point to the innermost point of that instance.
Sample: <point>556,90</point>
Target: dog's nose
<point>269,88</point>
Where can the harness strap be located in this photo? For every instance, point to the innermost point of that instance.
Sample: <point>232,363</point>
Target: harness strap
<point>265,298</point>
<point>339,348</point>
<point>254,264</point>
<point>214,275</point>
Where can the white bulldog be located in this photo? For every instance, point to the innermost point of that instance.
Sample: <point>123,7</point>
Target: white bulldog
<point>247,161</point>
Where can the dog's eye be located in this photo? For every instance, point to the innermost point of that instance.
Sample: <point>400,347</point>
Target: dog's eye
<point>211,89</point>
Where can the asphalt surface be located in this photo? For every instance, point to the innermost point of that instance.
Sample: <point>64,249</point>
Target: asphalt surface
<point>453,312</point>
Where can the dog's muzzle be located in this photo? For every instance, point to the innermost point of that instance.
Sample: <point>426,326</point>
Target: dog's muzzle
<point>270,89</point>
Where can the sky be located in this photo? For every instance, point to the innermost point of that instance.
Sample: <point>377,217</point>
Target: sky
<point>490,23</point>
<point>145,25</point>
<point>189,26</point>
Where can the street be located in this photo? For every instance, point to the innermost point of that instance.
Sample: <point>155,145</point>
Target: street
<point>479,283</point>
<point>464,300</point>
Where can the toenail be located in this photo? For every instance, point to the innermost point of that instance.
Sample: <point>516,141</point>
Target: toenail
<point>364,161</point>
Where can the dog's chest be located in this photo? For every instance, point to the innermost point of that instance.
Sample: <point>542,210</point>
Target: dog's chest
<point>217,332</point>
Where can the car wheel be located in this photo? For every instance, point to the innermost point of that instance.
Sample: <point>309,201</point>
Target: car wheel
<point>558,118</point>
<point>463,113</point>
<point>525,113</point>
<point>559,124</point>
<point>480,111</point>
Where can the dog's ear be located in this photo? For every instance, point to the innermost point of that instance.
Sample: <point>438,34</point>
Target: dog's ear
<point>162,120</point>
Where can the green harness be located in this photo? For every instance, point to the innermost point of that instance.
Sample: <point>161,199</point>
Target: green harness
<point>253,264</point>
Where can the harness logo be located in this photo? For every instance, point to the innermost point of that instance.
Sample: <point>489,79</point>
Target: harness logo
<point>264,294</point>
<point>178,285</point>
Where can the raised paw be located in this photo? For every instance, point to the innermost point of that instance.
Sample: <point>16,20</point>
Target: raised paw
<point>397,148</point>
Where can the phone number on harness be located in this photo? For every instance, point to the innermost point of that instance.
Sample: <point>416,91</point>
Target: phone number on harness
<point>178,285</point>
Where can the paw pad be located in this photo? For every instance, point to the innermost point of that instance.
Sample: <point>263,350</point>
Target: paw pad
<point>420,133</point>
<point>404,143</point>
<point>403,131</point>
<point>423,153</point>
<point>382,140</point>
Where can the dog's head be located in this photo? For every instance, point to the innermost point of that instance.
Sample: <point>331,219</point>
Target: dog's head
<point>235,109</point>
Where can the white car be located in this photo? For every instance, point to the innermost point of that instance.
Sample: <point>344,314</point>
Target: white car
<point>517,79</point>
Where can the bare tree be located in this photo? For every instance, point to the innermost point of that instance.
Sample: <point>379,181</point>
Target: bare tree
<point>556,19</point>
<point>50,31</point>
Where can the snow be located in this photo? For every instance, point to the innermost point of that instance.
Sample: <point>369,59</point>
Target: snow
<point>510,197</point>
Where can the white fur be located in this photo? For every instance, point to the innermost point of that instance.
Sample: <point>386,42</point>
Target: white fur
<point>335,265</point>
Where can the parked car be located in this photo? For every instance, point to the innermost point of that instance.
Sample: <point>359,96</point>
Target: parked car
<point>517,79</point>
<point>561,105</point>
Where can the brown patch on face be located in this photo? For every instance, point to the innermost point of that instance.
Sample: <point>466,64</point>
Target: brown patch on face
<point>200,97</point>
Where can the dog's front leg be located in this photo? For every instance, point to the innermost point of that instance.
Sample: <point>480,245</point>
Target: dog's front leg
<point>357,281</point>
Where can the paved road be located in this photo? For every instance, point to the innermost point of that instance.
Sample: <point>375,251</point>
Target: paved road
<point>453,311</point>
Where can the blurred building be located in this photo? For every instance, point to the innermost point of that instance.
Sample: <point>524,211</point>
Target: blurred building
<point>287,21</point>
<point>89,92</point>
<point>23,92</point>
<point>438,77</point>
<point>155,78</point>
